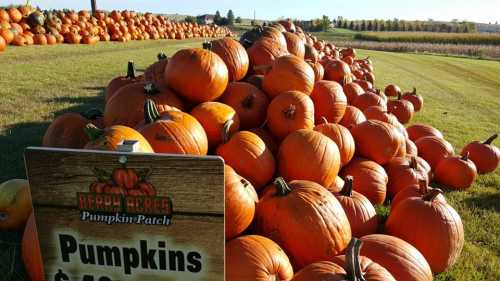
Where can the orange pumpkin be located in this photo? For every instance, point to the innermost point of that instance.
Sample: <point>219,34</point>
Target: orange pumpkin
<point>120,81</point>
<point>319,70</point>
<point>249,102</point>
<point>352,91</point>
<point>433,150</point>
<point>289,112</point>
<point>294,44</point>
<point>352,117</point>
<point>416,100</point>
<point>248,155</point>
<point>456,172</point>
<point>256,258</point>
<point>417,131</point>
<point>155,72</point>
<point>367,100</point>
<point>14,14</point>
<point>240,201</point>
<point>392,90</point>
<point>265,51</point>
<point>485,155</point>
<point>415,190</point>
<point>310,54</point>
<point>298,203</point>
<point>7,35</point>
<point>234,56</point>
<point>341,136</point>
<point>268,139</point>
<point>109,138</point>
<point>380,113</point>
<point>329,101</point>
<point>402,109</point>
<point>403,172</point>
<point>219,121</point>
<point>256,80</point>
<point>31,253</point>
<point>337,70</point>
<point>3,44</point>
<point>299,76</point>
<point>433,227</point>
<point>173,131</point>
<point>197,74</point>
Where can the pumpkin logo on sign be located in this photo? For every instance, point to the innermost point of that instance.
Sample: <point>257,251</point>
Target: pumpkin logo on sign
<point>124,196</point>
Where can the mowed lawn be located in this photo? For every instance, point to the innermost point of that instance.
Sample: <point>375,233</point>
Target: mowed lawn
<point>462,99</point>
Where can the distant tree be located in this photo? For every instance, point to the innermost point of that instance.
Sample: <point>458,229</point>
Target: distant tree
<point>217,17</point>
<point>339,23</point>
<point>223,21</point>
<point>252,22</point>
<point>466,28</point>
<point>230,17</point>
<point>376,25</point>
<point>388,25</point>
<point>382,26</point>
<point>418,27</point>
<point>190,19</point>
<point>363,25</point>
<point>238,20</point>
<point>357,26</point>
<point>369,27</point>
<point>351,25</point>
<point>345,24</point>
<point>325,23</point>
<point>395,25</point>
<point>403,26</point>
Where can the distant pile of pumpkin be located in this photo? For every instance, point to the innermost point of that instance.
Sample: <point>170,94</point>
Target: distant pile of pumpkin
<point>310,147</point>
<point>24,25</point>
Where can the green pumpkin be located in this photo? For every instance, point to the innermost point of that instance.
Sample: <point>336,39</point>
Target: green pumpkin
<point>36,18</point>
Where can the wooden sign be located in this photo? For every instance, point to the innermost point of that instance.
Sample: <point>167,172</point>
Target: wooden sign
<point>126,216</point>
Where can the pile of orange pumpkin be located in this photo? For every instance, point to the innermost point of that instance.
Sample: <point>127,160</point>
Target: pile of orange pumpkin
<point>24,25</point>
<point>310,146</point>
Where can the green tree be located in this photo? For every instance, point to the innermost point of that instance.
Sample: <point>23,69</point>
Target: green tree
<point>217,17</point>
<point>190,19</point>
<point>363,25</point>
<point>369,27</point>
<point>382,26</point>
<point>351,25</point>
<point>230,17</point>
<point>345,24</point>
<point>238,20</point>
<point>395,25</point>
<point>325,23</point>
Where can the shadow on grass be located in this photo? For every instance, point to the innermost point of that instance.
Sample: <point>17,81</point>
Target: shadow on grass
<point>11,267</point>
<point>485,201</point>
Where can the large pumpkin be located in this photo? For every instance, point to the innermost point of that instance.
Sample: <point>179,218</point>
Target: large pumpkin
<point>433,150</point>
<point>403,172</point>
<point>352,91</point>
<point>265,51</point>
<point>377,140</point>
<point>234,56</point>
<point>402,109</point>
<point>249,102</point>
<point>156,72</point>
<point>431,226</point>
<point>219,121</point>
<point>294,44</point>
<point>400,258</point>
<point>120,81</point>
<point>352,117</point>
<point>317,150</point>
<point>380,113</point>
<point>198,75</point>
<point>299,76</point>
<point>173,131</point>
<point>341,136</point>
<point>337,70</point>
<point>289,112</point>
<point>286,208</point>
<point>126,107</point>
<point>319,70</point>
<point>329,101</point>
<point>240,201</point>
<point>417,131</point>
<point>256,258</point>
<point>109,138</point>
<point>360,212</point>
<point>368,99</point>
<point>485,155</point>
<point>414,190</point>
<point>369,179</point>
<point>267,137</point>
<point>31,253</point>
<point>248,155</point>
<point>456,172</point>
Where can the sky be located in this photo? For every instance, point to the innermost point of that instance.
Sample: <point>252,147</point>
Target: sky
<point>479,10</point>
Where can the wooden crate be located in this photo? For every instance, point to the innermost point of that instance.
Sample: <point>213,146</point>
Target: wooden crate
<point>185,244</point>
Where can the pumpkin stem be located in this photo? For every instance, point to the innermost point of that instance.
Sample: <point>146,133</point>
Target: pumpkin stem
<point>225,130</point>
<point>324,120</point>
<point>414,91</point>
<point>290,111</point>
<point>431,195</point>
<point>207,45</point>
<point>151,113</point>
<point>347,188</point>
<point>399,96</point>
<point>92,113</point>
<point>490,139</point>
<point>161,56</point>
<point>423,186</point>
<point>465,157</point>
<point>352,266</point>
<point>151,89</point>
<point>282,186</point>
<point>130,70</point>
<point>248,101</point>
<point>93,132</point>
<point>413,163</point>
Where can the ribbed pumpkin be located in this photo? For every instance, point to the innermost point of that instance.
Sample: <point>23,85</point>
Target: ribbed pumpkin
<point>321,271</point>
<point>380,113</point>
<point>368,99</point>
<point>126,107</point>
<point>369,179</point>
<point>366,85</point>
<point>359,210</point>
<point>456,172</point>
<point>252,37</point>
<point>485,155</point>
<point>234,56</point>
<point>256,80</point>
<point>31,253</point>
<point>267,137</point>
<point>199,75</point>
<point>173,131</point>
<point>431,226</point>
<point>249,102</point>
<point>417,131</point>
<point>14,14</point>
<point>416,100</point>
<point>248,155</point>
<point>329,101</point>
<point>337,70</point>
<point>433,150</point>
<point>156,72</point>
<point>341,136</point>
<point>319,70</point>
<point>285,208</point>
<point>289,112</point>
<point>352,91</point>
<point>68,130</point>
<point>294,44</point>
<point>299,76</point>
<point>109,138</point>
<point>317,150</point>
<point>120,81</point>
<point>403,172</point>
<point>256,258</point>
<point>402,109</point>
<point>377,140</point>
<point>392,90</point>
<point>336,186</point>
<point>218,120</point>
<point>311,54</point>
<point>240,201</point>
<point>352,117</point>
<point>400,258</point>
<point>265,51</point>
<point>415,190</point>
<point>411,147</point>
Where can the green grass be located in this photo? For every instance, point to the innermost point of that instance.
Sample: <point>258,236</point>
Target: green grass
<point>431,37</point>
<point>337,34</point>
<point>461,99</point>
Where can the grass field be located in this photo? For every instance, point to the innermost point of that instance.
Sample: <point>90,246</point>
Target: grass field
<point>431,37</point>
<point>462,99</point>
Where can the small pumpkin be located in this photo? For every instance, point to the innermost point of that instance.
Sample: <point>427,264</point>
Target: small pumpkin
<point>109,138</point>
<point>485,155</point>
<point>416,100</point>
<point>234,56</point>
<point>380,113</point>
<point>403,172</point>
<point>7,35</point>
<point>417,131</point>
<point>337,70</point>
<point>433,227</point>
<point>456,172</point>
<point>434,150</point>
<point>329,101</point>
<point>249,102</point>
<point>366,85</point>
<point>314,148</point>
<point>265,51</point>
<point>14,14</point>
<point>311,54</point>
<point>341,136</point>
<point>298,203</point>
<point>155,72</point>
<point>411,147</point>
<point>299,76</point>
<point>352,117</point>
<point>352,91</point>
<point>319,70</point>
<point>256,258</point>
<point>120,81</point>
<point>294,44</point>
<point>3,44</point>
<point>368,99</point>
<point>267,137</point>
<point>392,90</point>
<point>402,109</point>
<point>414,190</point>
<point>219,120</point>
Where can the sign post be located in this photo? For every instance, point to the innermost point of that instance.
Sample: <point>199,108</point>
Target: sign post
<point>128,216</point>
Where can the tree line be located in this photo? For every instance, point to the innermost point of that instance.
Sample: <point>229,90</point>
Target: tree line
<point>403,25</point>
<point>229,19</point>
